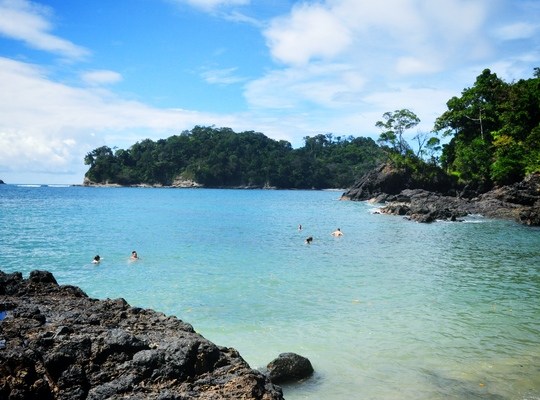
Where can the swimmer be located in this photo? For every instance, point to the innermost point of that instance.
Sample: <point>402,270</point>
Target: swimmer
<point>134,256</point>
<point>309,239</point>
<point>96,259</point>
<point>337,232</point>
<point>300,227</point>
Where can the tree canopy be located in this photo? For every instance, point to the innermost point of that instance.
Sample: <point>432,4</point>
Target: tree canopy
<point>220,157</point>
<point>495,130</point>
<point>492,131</point>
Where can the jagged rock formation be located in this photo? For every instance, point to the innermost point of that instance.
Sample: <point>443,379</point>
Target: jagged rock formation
<point>401,195</point>
<point>57,343</point>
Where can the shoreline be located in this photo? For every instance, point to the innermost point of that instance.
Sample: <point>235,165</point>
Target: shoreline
<point>60,343</point>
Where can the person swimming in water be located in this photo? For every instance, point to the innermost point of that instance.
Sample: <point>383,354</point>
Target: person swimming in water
<point>337,232</point>
<point>309,239</point>
<point>96,260</point>
<point>134,256</point>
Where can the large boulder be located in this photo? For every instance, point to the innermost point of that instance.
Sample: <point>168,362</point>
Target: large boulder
<point>57,343</point>
<point>381,180</point>
<point>387,180</point>
<point>289,367</point>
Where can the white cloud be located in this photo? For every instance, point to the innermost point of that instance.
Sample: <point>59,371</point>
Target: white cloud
<point>210,5</point>
<point>327,85</point>
<point>393,32</point>
<point>101,77</point>
<point>310,32</point>
<point>225,76</point>
<point>518,30</point>
<point>49,126</point>
<point>413,65</point>
<point>30,23</point>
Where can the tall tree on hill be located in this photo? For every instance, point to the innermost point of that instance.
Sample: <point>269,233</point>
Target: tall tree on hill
<point>394,124</point>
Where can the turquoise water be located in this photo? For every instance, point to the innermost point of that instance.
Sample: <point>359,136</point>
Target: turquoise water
<point>391,310</point>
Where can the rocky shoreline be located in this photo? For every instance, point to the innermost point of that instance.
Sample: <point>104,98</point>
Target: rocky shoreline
<point>400,195</point>
<point>57,343</point>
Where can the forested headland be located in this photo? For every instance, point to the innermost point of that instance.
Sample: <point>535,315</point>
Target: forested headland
<point>220,157</point>
<point>489,135</point>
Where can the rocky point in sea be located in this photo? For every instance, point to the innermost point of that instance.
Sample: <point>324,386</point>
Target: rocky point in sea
<point>58,343</point>
<point>400,194</point>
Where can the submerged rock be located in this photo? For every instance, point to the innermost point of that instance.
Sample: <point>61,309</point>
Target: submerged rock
<point>60,344</point>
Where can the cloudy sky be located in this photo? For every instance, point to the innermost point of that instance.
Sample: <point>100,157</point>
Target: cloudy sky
<point>76,75</point>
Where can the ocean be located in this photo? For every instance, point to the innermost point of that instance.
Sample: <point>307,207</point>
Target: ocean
<point>391,310</point>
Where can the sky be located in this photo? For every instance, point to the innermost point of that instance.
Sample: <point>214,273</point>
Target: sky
<point>77,75</point>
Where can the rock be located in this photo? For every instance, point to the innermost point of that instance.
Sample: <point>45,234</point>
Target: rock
<point>181,182</point>
<point>381,180</point>
<point>2,182</point>
<point>41,277</point>
<point>387,180</point>
<point>401,196</point>
<point>289,367</point>
<point>57,343</point>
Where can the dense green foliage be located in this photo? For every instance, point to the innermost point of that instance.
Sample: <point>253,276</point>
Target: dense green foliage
<point>495,130</point>
<point>422,165</point>
<point>219,157</point>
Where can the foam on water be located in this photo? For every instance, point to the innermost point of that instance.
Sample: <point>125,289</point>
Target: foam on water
<point>393,309</point>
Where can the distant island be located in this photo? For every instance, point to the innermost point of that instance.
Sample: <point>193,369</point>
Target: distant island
<point>219,157</point>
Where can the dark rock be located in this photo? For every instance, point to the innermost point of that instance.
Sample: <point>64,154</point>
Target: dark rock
<point>9,284</point>
<point>404,196</point>
<point>387,180</point>
<point>61,344</point>
<point>42,277</point>
<point>289,367</point>
<point>381,180</point>
<point>531,216</point>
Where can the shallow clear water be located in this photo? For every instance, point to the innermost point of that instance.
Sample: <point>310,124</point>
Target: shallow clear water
<point>393,309</point>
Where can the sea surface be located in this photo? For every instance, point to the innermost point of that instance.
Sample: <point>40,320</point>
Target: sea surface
<point>391,310</point>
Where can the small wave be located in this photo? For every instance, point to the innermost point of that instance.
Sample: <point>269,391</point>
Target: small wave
<point>28,185</point>
<point>475,219</point>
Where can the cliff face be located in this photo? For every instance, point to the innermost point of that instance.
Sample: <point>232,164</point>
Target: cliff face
<point>402,195</point>
<point>57,343</point>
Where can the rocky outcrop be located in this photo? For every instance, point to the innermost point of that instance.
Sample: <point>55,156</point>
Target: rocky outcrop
<point>57,343</point>
<point>289,367</point>
<point>2,182</point>
<point>519,202</point>
<point>180,182</point>
<point>387,180</point>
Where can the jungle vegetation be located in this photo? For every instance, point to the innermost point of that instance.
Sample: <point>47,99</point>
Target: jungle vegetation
<point>220,157</point>
<point>489,135</point>
<point>494,131</point>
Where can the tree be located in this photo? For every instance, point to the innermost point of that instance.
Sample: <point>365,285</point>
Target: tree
<point>494,127</point>
<point>394,125</point>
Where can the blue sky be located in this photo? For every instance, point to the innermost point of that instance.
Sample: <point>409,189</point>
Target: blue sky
<point>76,75</point>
